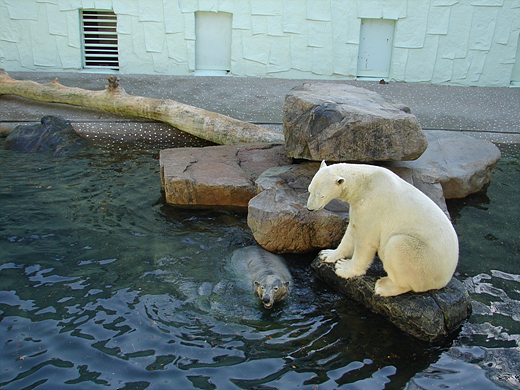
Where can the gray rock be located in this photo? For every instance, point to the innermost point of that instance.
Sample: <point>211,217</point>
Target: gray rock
<point>428,316</point>
<point>280,221</point>
<point>343,123</point>
<point>278,215</point>
<point>463,164</point>
<point>53,134</point>
<point>216,175</point>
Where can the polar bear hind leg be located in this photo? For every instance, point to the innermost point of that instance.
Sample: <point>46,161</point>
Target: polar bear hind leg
<point>410,265</point>
<point>386,288</point>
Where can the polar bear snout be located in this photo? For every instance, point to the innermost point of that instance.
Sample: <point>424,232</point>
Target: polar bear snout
<point>313,203</point>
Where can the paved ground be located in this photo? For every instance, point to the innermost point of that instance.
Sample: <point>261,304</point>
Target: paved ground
<point>491,113</point>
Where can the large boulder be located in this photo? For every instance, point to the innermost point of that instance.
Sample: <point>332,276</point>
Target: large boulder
<point>278,215</point>
<point>216,175</point>
<point>343,123</point>
<point>429,316</point>
<point>463,164</point>
<point>53,134</point>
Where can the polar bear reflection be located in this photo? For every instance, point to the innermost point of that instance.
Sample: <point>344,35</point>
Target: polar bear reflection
<point>414,239</point>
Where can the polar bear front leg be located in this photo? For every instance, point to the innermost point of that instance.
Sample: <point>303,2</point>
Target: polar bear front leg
<point>345,249</point>
<point>358,265</point>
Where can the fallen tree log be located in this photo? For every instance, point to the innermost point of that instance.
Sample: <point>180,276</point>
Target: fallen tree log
<point>201,123</point>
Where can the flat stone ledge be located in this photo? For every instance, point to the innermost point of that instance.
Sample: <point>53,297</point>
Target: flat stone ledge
<point>428,316</point>
<point>216,175</point>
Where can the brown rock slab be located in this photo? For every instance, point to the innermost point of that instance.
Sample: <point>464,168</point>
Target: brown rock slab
<point>428,316</point>
<point>216,175</point>
<point>343,123</point>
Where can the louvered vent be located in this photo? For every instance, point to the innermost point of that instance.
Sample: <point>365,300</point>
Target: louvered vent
<point>100,39</point>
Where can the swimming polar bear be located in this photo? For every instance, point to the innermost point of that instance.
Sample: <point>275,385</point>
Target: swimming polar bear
<point>268,273</point>
<point>414,239</point>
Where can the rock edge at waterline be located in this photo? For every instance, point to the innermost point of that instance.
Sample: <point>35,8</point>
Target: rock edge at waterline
<point>428,316</point>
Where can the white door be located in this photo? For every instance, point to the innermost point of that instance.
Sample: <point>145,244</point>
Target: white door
<point>213,41</point>
<point>375,47</point>
<point>515,75</point>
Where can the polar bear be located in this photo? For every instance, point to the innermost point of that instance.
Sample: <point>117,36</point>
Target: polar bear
<point>270,277</point>
<point>414,239</point>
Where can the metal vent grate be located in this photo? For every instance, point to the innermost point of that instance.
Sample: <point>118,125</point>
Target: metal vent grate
<point>100,39</point>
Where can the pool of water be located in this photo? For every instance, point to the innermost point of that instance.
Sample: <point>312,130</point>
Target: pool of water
<point>103,284</point>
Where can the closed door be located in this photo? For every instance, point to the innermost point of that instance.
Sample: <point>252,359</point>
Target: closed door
<point>213,40</point>
<point>375,47</point>
<point>515,75</point>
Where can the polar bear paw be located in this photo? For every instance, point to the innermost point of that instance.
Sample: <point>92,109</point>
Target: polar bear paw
<point>346,269</point>
<point>329,255</point>
<point>387,288</point>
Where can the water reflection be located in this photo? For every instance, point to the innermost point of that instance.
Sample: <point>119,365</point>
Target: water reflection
<point>102,284</point>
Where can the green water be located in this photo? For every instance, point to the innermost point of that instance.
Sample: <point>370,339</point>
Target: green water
<point>104,285</point>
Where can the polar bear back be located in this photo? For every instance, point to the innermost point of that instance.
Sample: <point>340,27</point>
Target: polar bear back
<point>378,193</point>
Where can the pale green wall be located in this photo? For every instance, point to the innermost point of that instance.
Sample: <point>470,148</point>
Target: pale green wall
<point>468,42</point>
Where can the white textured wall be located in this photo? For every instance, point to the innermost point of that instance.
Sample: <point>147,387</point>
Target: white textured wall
<point>467,42</point>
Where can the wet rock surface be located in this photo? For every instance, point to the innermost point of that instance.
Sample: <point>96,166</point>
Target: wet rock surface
<point>342,123</point>
<point>464,164</point>
<point>53,134</point>
<point>217,175</point>
<point>428,316</point>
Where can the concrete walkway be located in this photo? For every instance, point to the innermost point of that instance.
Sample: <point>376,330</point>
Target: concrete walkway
<point>490,113</point>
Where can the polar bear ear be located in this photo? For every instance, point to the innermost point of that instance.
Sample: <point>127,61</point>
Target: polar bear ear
<point>323,164</point>
<point>340,181</point>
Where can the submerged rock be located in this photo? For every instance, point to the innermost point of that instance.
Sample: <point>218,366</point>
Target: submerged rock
<point>428,316</point>
<point>53,133</point>
<point>343,123</point>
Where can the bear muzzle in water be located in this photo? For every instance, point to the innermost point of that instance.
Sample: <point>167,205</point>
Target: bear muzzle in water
<point>271,291</point>
<point>267,273</point>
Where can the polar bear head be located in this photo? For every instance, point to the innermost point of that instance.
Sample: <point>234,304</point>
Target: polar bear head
<point>326,185</point>
<point>270,290</point>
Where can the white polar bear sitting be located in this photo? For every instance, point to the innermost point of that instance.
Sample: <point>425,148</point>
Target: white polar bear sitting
<point>414,239</point>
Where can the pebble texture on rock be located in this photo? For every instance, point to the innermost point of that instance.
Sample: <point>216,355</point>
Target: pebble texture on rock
<point>428,316</point>
<point>217,175</point>
<point>343,123</point>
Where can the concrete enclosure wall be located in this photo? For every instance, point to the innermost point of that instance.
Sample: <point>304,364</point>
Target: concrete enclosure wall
<point>466,42</point>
